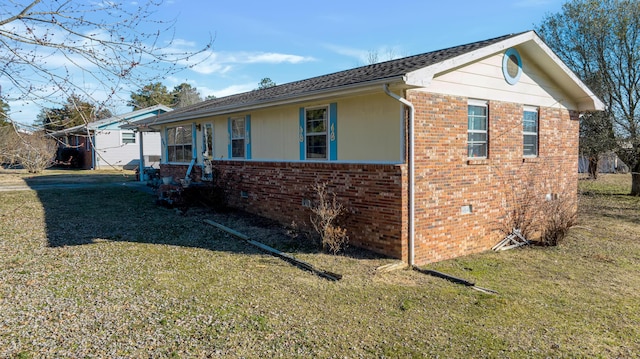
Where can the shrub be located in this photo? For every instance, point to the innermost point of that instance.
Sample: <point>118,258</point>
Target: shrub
<point>559,216</point>
<point>325,213</point>
<point>34,151</point>
<point>536,210</point>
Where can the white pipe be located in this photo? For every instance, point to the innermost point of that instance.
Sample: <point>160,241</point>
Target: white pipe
<point>410,160</point>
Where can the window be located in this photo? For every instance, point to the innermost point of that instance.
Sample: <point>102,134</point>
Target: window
<point>477,136</point>
<point>316,133</point>
<point>512,66</point>
<point>207,141</point>
<point>530,131</point>
<point>179,144</point>
<point>237,137</point>
<point>128,137</point>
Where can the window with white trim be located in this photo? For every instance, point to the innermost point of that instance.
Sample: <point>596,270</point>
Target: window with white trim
<point>179,144</point>
<point>530,131</point>
<point>128,137</point>
<point>316,133</point>
<point>237,137</point>
<point>477,129</point>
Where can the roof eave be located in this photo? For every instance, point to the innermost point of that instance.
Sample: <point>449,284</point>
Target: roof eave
<point>373,85</point>
<point>587,100</point>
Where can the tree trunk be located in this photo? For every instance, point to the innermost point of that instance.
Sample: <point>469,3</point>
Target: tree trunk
<point>635,182</point>
<point>593,166</point>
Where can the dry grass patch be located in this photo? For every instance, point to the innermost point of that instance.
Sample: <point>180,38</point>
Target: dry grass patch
<point>106,273</point>
<point>14,177</point>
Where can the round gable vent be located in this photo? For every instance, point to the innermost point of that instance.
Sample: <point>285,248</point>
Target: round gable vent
<point>512,66</point>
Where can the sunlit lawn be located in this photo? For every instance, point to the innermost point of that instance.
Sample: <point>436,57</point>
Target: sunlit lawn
<point>107,273</point>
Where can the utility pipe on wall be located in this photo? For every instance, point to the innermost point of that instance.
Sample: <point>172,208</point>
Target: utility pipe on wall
<point>410,160</point>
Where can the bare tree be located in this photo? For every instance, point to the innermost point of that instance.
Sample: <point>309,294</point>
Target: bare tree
<point>373,56</point>
<point>108,43</point>
<point>53,50</point>
<point>600,41</point>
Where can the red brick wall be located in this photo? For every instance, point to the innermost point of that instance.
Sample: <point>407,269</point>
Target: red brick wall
<point>373,195</point>
<point>446,180</point>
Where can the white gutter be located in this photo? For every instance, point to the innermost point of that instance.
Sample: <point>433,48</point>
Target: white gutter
<point>410,160</point>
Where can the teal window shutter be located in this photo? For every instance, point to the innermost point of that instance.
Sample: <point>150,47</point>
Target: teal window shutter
<point>229,130</point>
<point>301,135</point>
<point>333,131</point>
<point>247,136</point>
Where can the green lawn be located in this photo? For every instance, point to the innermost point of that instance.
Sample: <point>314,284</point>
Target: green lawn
<point>107,273</point>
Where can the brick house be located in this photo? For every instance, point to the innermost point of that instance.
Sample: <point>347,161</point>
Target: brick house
<point>425,151</point>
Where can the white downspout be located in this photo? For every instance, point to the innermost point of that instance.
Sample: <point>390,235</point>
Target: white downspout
<point>410,160</point>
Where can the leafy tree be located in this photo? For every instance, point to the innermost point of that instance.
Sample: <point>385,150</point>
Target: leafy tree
<point>600,41</point>
<point>4,113</point>
<point>185,95</point>
<point>210,97</point>
<point>151,95</point>
<point>74,112</point>
<point>106,46</point>
<point>265,83</point>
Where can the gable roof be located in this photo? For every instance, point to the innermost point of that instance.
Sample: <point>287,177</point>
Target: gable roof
<point>411,71</point>
<point>127,117</point>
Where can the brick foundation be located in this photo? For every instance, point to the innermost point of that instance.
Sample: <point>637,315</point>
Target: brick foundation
<point>373,195</point>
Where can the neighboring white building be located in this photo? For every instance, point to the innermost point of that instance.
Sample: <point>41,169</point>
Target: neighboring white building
<point>103,144</point>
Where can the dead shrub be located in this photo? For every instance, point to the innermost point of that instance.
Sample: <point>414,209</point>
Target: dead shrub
<point>522,213</point>
<point>326,211</point>
<point>37,152</point>
<point>559,216</point>
<point>536,210</point>
<point>34,151</point>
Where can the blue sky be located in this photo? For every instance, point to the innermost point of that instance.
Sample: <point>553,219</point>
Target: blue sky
<point>293,40</point>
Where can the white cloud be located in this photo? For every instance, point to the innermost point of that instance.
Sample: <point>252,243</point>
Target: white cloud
<point>182,42</point>
<point>275,58</point>
<point>347,51</point>
<point>234,89</point>
<point>221,63</point>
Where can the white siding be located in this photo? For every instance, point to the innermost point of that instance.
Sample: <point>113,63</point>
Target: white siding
<point>110,152</point>
<point>484,80</point>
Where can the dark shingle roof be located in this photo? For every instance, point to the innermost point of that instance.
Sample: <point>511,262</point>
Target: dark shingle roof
<point>360,75</point>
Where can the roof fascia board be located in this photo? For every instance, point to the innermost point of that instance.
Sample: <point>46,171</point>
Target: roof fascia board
<point>590,101</point>
<point>125,117</point>
<point>424,76</point>
<point>315,95</point>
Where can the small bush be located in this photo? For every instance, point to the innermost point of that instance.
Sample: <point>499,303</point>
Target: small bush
<point>325,213</point>
<point>559,217</point>
<point>37,152</point>
<point>536,210</point>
